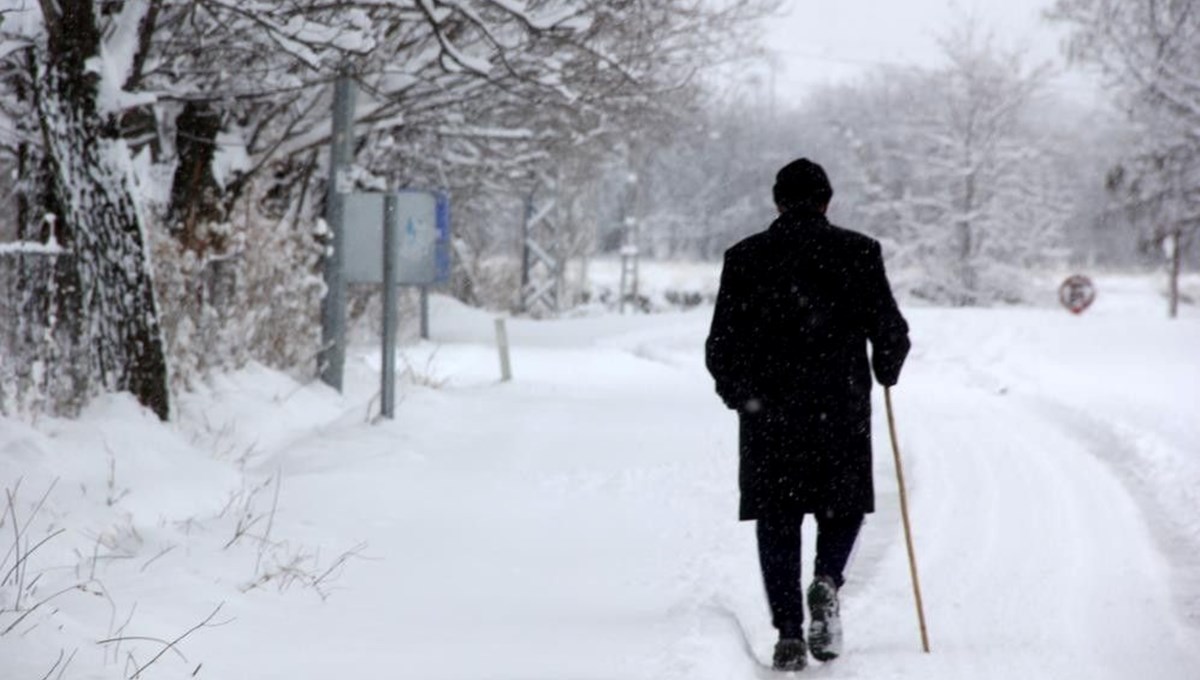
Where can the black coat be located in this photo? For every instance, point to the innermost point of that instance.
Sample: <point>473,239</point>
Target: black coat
<point>788,350</point>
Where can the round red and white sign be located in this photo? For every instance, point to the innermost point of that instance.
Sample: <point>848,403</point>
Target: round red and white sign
<point>1077,293</point>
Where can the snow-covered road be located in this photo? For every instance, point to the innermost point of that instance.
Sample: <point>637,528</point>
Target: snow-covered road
<point>579,523</point>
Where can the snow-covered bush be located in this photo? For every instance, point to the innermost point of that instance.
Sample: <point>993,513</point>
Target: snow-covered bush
<point>257,298</point>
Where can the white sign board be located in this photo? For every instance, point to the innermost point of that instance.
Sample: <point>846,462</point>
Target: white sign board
<point>417,248</point>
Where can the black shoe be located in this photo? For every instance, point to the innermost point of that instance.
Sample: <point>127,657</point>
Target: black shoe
<point>791,654</point>
<point>825,623</point>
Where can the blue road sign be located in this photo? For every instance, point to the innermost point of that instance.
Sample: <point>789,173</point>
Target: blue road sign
<point>423,250</point>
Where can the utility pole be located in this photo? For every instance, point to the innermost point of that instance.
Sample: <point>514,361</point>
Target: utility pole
<point>541,271</point>
<point>332,357</point>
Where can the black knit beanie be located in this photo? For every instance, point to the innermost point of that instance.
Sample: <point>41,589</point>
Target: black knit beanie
<point>802,183</point>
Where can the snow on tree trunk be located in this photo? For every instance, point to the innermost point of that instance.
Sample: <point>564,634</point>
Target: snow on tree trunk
<point>101,220</point>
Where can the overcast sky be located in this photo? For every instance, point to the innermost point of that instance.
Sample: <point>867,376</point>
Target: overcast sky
<point>830,41</point>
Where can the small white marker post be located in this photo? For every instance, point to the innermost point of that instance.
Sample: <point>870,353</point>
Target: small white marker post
<point>502,345</point>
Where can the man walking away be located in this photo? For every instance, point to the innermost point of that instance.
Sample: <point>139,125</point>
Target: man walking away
<point>788,350</point>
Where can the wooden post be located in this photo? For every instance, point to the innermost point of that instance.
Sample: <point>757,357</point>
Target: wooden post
<point>502,344</point>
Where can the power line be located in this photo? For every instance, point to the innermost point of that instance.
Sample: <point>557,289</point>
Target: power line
<point>839,60</point>
<point>1060,76</point>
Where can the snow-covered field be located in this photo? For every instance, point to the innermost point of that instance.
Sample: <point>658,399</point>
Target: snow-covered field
<point>579,522</point>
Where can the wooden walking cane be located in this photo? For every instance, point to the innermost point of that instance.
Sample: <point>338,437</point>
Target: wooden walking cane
<point>912,557</point>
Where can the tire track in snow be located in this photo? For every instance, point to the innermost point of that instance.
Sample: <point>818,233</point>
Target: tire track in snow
<point>1035,561</point>
<point>1139,456</point>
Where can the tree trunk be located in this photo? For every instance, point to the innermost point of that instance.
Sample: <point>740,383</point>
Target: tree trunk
<point>195,194</point>
<point>966,245</point>
<point>1176,258</point>
<point>98,215</point>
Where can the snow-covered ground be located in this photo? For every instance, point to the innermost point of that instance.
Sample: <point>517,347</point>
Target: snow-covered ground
<point>579,522</point>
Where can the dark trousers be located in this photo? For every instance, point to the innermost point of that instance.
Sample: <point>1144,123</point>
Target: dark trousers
<point>779,557</point>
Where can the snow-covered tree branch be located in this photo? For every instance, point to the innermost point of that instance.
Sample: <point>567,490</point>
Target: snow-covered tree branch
<point>1150,52</point>
<point>134,121</point>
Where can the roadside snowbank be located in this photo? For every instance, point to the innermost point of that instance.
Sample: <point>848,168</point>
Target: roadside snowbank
<point>131,531</point>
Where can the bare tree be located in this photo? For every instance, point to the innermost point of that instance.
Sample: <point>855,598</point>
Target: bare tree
<point>200,115</point>
<point>1150,52</point>
<point>951,171</point>
<point>99,219</point>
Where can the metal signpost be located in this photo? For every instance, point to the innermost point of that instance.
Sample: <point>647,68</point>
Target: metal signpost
<point>391,234</point>
<point>412,229</point>
<point>332,356</point>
